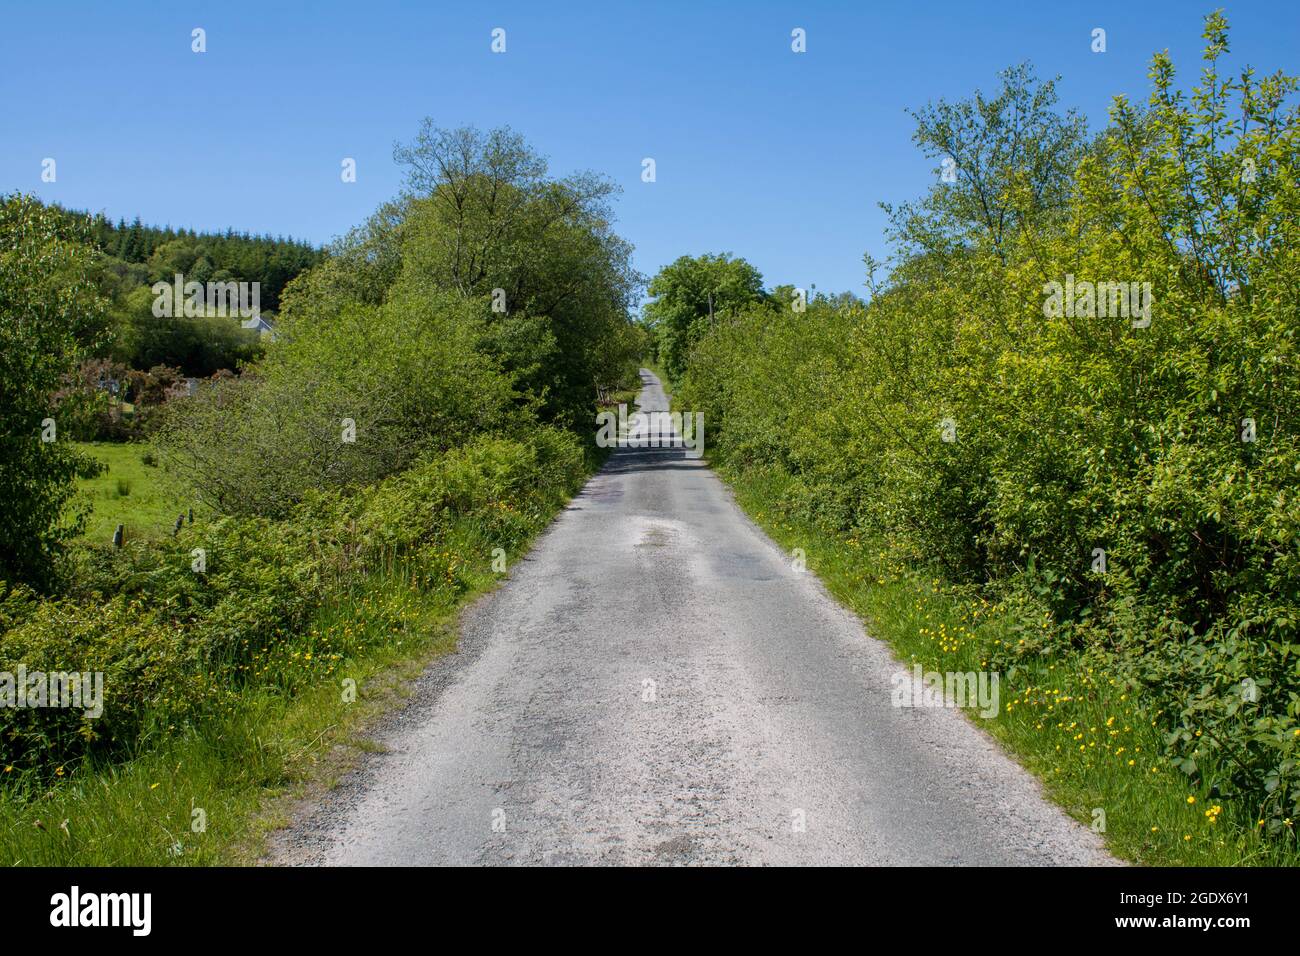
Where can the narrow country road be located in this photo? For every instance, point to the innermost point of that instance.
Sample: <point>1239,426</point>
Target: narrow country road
<point>654,683</point>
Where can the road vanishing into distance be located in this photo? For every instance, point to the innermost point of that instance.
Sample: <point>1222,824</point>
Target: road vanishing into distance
<point>655,683</point>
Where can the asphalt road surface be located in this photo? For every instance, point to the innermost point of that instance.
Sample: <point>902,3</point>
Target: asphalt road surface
<point>656,684</point>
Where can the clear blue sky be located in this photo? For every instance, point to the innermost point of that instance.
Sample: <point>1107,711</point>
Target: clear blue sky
<point>778,157</point>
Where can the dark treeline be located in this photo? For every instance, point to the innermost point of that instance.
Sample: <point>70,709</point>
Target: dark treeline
<point>202,256</point>
<point>130,258</point>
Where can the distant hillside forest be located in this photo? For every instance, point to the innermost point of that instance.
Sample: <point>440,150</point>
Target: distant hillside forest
<point>203,256</point>
<point>133,257</point>
<point>139,360</point>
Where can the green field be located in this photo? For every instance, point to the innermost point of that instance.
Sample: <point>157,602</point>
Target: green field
<point>129,492</point>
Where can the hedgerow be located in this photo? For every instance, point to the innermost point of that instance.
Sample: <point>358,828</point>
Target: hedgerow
<point>1132,483</point>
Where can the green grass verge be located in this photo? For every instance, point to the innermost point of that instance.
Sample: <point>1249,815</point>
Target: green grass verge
<point>210,796</point>
<point>129,492</point>
<point>1084,735</point>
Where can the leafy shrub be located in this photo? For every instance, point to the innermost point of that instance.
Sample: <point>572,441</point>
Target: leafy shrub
<point>51,315</point>
<point>405,375</point>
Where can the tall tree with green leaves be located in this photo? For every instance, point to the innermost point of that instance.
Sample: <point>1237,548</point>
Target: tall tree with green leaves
<point>483,216</point>
<point>691,292</point>
<point>51,315</point>
<point>1006,161</point>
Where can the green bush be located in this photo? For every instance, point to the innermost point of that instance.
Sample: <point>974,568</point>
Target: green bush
<point>347,395</point>
<point>51,316</point>
<point>506,485</point>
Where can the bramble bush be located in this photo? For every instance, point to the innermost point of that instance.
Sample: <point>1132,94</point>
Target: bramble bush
<point>1137,484</point>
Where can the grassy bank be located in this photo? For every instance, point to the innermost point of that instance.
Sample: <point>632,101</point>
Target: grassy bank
<point>1080,730</point>
<point>209,795</point>
<point>229,691</point>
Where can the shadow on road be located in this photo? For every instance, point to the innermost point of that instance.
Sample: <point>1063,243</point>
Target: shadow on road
<point>627,460</point>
